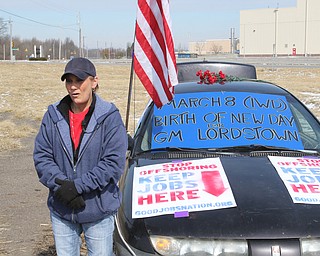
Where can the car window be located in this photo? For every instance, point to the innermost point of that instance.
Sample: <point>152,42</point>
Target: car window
<point>307,125</point>
<point>226,119</point>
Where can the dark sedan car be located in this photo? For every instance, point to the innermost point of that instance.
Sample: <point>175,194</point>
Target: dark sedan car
<point>230,167</point>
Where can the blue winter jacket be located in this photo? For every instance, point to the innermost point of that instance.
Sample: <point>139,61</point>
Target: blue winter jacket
<point>101,161</point>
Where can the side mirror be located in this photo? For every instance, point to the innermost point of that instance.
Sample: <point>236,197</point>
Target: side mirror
<point>130,142</point>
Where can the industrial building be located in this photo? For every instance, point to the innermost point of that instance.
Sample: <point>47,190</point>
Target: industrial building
<point>293,31</point>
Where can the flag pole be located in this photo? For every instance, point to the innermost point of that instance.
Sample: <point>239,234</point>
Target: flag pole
<point>130,88</point>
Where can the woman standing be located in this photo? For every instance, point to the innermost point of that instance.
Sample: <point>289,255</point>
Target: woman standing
<point>79,156</point>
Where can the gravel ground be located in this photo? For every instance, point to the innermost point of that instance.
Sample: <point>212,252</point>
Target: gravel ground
<point>24,217</point>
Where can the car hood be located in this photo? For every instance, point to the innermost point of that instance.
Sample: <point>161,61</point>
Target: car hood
<point>264,208</point>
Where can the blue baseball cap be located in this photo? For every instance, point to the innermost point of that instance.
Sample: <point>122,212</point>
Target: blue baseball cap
<point>80,67</point>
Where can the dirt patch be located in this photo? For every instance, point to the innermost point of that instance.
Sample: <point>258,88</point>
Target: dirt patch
<point>24,217</point>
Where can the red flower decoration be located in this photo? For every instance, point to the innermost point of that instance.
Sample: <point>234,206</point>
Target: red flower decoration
<point>208,77</point>
<point>222,76</point>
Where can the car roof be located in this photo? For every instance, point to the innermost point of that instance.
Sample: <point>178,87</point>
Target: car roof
<point>254,86</point>
<point>187,70</point>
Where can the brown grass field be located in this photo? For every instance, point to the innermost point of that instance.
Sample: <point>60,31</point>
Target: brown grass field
<point>26,89</point>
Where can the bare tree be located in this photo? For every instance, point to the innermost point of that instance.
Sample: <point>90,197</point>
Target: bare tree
<point>199,47</point>
<point>216,48</point>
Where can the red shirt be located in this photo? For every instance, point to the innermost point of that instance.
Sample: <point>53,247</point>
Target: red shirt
<point>75,120</point>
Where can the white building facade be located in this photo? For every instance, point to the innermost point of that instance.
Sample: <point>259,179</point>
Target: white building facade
<point>293,31</point>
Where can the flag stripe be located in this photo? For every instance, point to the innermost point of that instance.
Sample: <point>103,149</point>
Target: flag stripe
<point>152,14</point>
<point>149,77</point>
<point>146,39</point>
<point>148,84</point>
<point>156,65</point>
<point>154,58</point>
<point>169,39</point>
<point>153,30</point>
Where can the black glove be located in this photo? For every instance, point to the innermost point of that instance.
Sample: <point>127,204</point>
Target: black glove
<point>77,203</point>
<point>67,191</point>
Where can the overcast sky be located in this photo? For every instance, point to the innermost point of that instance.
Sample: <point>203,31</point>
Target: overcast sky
<point>106,23</point>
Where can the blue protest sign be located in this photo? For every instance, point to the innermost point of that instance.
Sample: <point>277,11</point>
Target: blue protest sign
<point>222,119</point>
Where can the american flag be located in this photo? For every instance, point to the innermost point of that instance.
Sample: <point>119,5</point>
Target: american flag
<point>154,57</point>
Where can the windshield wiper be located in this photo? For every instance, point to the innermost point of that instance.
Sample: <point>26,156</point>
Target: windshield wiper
<point>257,147</point>
<point>174,149</point>
<point>166,149</point>
<point>228,150</point>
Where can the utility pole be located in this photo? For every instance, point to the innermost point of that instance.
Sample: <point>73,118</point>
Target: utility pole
<point>306,29</point>
<point>97,49</point>
<point>83,47</point>
<point>110,51</point>
<point>275,31</point>
<point>80,37</point>
<point>53,51</point>
<point>232,46</point>
<point>11,50</point>
<point>60,46</point>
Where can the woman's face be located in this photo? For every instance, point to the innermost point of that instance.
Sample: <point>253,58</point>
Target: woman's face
<point>80,91</point>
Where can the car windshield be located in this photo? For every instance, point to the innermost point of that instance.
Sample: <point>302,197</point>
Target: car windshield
<point>216,120</point>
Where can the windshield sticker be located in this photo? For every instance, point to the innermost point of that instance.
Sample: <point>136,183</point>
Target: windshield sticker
<point>223,119</point>
<point>301,176</point>
<point>180,187</point>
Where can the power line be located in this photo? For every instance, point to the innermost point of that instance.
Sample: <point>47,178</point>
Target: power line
<point>38,22</point>
<point>53,7</point>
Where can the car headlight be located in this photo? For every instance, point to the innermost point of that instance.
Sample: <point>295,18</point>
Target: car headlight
<point>169,246</point>
<point>310,247</point>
